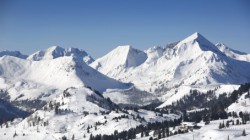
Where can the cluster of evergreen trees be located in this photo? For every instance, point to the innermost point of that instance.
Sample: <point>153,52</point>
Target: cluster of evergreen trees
<point>213,107</point>
<point>244,118</point>
<point>161,130</point>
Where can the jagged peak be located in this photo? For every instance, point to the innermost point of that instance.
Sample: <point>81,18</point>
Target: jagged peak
<point>57,51</point>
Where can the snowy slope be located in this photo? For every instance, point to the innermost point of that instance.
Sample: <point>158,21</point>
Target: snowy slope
<point>119,60</point>
<point>13,53</point>
<point>131,97</point>
<point>177,93</point>
<point>154,53</point>
<point>241,105</point>
<point>211,132</point>
<point>233,53</point>
<point>56,51</point>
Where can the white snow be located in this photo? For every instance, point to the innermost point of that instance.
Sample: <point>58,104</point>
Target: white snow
<point>193,61</point>
<point>59,73</point>
<point>75,122</point>
<point>119,60</point>
<point>56,51</point>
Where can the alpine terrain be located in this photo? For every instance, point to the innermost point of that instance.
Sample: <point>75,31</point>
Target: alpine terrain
<point>189,89</point>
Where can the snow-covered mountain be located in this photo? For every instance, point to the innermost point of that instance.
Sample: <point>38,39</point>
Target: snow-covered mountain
<point>192,61</point>
<point>58,92</point>
<point>60,73</point>
<point>233,53</point>
<point>119,60</point>
<point>56,51</point>
<point>13,53</point>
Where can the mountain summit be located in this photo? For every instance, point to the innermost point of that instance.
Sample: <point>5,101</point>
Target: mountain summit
<point>119,59</point>
<point>56,51</point>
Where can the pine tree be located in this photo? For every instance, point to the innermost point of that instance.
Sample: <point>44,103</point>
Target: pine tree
<point>6,124</point>
<point>88,129</point>
<point>15,134</point>
<point>163,133</point>
<point>244,132</point>
<point>142,135</point>
<point>220,126</point>
<point>147,133</point>
<point>223,125</point>
<point>227,124</point>
<point>237,122</point>
<point>159,135</point>
<point>64,138</point>
<point>91,137</point>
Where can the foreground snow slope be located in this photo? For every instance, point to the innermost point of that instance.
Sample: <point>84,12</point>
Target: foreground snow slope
<point>80,108</point>
<point>211,132</point>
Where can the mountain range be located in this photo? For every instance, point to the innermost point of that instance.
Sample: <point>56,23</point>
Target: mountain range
<point>86,92</point>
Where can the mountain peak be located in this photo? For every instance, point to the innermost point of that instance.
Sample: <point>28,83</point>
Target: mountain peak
<point>120,58</point>
<point>195,36</point>
<point>57,51</point>
<point>197,42</point>
<point>124,47</point>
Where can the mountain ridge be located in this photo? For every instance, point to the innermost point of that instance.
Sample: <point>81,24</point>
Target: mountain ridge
<point>194,60</point>
<point>56,51</point>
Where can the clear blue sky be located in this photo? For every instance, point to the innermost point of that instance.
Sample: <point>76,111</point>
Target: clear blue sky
<point>100,26</point>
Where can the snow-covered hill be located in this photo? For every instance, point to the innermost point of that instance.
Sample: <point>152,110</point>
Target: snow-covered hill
<point>56,51</point>
<point>79,112</point>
